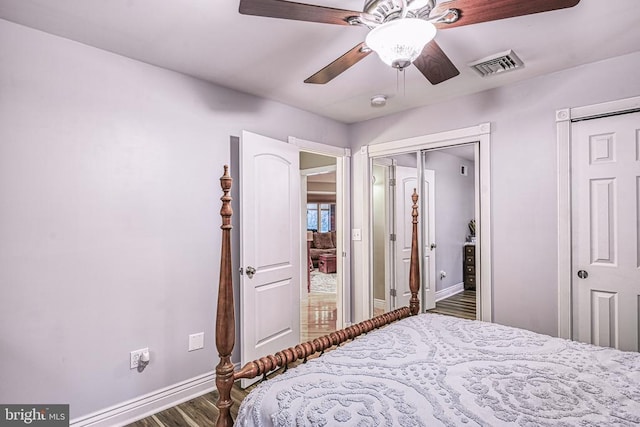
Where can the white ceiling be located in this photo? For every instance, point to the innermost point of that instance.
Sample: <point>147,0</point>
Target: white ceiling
<point>270,58</point>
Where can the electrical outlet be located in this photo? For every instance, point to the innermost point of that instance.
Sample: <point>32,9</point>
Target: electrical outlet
<point>135,357</point>
<point>196,341</point>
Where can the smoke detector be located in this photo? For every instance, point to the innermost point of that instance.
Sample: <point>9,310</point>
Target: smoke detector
<point>498,63</point>
<point>379,100</point>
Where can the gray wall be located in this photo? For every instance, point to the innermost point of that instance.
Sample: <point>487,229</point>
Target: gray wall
<point>379,221</point>
<point>109,217</point>
<point>455,204</point>
<point>523,167</point>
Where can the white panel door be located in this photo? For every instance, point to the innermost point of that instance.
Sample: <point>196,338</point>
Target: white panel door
<point>405,182</point>
<point>605,180</point>
<point>428,225</point>
<point>270,246</point>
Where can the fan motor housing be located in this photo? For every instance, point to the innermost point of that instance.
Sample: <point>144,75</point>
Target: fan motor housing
<point>387,10</point>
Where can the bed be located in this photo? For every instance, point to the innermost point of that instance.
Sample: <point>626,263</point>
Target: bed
<point>410,369</point>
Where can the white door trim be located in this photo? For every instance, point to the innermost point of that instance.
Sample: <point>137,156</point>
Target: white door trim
<point>343,214</point>
<point>361,250</point>
<point>481,134</point>
<point>428,296</point>
<point>435,140</point>
<point>564,118</point>
<point>388,253</point>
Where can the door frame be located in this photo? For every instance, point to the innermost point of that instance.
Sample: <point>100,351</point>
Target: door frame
<point>480,134</point>
<point>390,225</point>
<point>431,232</point>
<point>343,217</point>
<point>401,208</point>
<point>389,249</point>
<point>564,118</point>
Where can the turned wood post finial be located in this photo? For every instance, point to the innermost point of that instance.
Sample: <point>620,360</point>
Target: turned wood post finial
<point>225,318</point>
<point>414,272</point>
<point>225,210</point>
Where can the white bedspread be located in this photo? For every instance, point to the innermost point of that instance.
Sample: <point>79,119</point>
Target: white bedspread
<point>432,370</point>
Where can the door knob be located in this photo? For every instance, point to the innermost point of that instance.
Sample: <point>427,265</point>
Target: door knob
<point>250,271</point>
<point>432,246</point>
<point>583,274</point>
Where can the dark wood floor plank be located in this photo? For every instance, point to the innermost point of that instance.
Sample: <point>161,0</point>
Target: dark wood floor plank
<point>146,422</point>
<point>462,305</point>
<point>199,411</point>
<point>173,417</point>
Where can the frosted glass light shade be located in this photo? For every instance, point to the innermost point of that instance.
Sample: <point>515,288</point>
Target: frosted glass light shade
<point>400,42</point>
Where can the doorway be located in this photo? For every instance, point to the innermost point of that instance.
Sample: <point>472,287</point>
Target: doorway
<point>447,229</point>
<point>598,210</point>
<point>270,258</point>
<point>325,212</point>
<point>455,228</point>
<point>394,178</point>
<point>318,305</point>
<point>479,138</point>
<point>605,184</point>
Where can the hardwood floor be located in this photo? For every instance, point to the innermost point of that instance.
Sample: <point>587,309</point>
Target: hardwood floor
<point>462,304</point>
<point>198,412</point>
<point>317,315</point>
<point>317,318</point>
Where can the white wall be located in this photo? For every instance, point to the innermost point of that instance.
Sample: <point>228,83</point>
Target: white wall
<point>109,217</point>
<point>455,205</point>
<point>523,165</point>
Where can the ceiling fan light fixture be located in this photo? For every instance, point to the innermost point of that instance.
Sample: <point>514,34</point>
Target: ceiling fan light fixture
<point>399,42</point>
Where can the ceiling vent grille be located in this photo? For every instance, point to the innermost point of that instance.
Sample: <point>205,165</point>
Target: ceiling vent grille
<point>498,63</point>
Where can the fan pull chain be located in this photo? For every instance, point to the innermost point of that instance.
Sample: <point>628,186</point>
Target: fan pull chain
<point>404,81</point>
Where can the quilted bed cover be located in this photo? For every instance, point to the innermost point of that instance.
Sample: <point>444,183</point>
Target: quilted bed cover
<point>433,370</point>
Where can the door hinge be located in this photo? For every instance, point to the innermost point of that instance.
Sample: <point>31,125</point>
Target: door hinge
<point>392,237</point>
<point>344,254</point>
<point>392,182</point>
<point>392,292</point>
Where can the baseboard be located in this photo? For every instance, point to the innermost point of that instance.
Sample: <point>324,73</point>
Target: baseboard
<point>146,405</point>
<point>451,290</point>
<point>380,304</point>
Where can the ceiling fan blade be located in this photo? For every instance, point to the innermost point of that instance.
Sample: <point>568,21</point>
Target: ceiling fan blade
<point>435,64</point>
<point>476,11</point>
<point>340,65</point>
<point>298,11</point>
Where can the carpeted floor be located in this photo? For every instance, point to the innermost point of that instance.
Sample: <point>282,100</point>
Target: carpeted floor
<point>323,283</point>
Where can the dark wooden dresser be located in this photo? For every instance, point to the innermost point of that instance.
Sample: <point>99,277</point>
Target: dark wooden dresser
<point>469,267</point>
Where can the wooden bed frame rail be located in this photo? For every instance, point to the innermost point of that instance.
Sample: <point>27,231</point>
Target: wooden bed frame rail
<point>225,317</point>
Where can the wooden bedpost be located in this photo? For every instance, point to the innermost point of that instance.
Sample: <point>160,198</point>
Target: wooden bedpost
<point>225,319</point>
<point>414,270</point>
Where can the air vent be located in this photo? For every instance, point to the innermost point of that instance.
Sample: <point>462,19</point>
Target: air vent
<point>499,63</point>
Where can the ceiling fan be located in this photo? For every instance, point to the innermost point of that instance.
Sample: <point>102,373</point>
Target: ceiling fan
<point>402,31</point>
